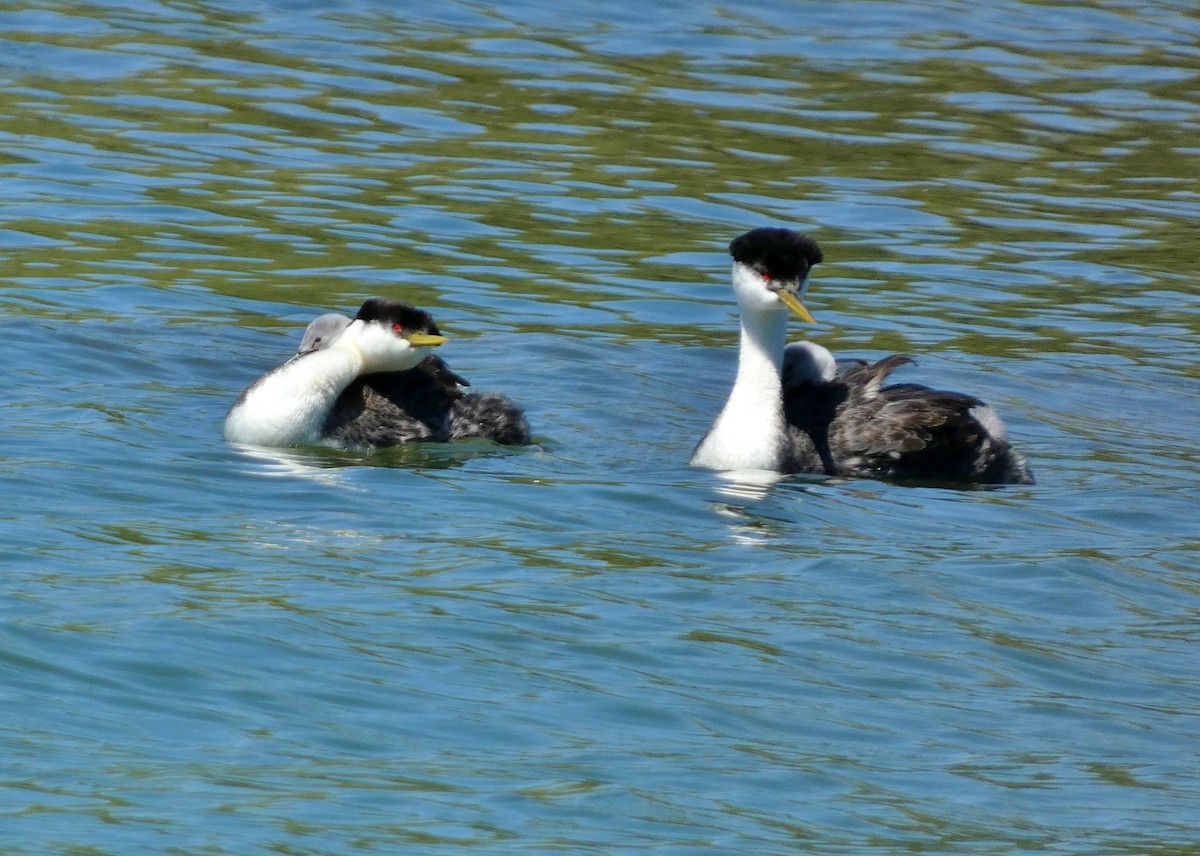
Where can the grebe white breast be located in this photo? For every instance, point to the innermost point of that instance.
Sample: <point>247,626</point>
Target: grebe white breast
<point>770,272</point>
<point>792,410</point>
<point>289,406</point>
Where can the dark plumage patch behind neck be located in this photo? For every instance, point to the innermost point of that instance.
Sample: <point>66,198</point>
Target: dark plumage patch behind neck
<point>386,311</point>
<point>782,254</point>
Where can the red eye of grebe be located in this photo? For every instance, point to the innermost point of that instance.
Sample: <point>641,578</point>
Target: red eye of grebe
<point>397,328</point>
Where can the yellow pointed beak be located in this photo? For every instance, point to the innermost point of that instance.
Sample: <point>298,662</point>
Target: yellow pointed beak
<point>793,303</point>
<point>425,340</point>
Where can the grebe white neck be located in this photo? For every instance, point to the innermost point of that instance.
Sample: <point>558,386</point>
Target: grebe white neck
<point>288,406</point>
<point>769,274</point>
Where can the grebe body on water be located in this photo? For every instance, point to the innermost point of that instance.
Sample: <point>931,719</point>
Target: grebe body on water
<point>423,404</point>
<point>289,405</point>
<point>799,414</point>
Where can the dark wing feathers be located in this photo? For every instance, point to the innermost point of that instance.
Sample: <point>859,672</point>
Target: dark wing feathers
<point>422,404</point>
<point>860,428</point>
<point>866,379</point>
<point>491,416</point>
<point>391,408</point>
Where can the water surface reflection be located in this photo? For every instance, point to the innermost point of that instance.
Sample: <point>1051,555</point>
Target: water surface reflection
<point>446,648</point>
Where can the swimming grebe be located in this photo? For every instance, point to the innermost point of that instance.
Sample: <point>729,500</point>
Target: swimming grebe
<point>424,403</point>
<point>799,414</point>
<point>770,272</point>
<point>289,405</point>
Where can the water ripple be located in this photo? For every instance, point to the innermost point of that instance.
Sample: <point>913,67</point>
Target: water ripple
<point>463,646</point>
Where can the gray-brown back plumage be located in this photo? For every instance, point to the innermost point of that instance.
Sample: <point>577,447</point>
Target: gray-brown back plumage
<point>850,424</point>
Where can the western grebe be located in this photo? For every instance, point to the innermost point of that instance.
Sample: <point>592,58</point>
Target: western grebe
<point>837,423</point>
<point>425,403</point>
<point>288,406</point>
<point>770,272</point>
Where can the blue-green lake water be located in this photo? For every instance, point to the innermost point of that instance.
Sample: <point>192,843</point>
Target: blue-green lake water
<point>586,646</point>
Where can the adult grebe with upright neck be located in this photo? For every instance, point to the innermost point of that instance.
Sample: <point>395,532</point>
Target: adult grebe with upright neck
<point>792,411</point>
